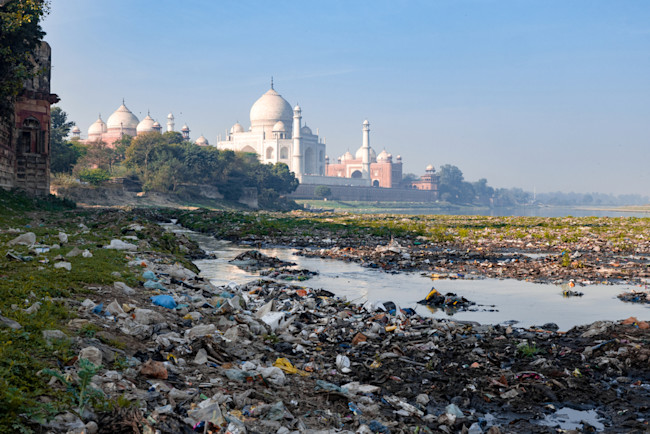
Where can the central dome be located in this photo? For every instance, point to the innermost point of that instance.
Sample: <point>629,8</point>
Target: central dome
<point>269,109</point>
<point>122,118</point>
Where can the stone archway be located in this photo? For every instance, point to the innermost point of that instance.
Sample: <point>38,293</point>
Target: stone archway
<point>269,153</point>
<point>375,183</point>
<point>249,150</point>
<point>356,174</point>
<point>310,157</point>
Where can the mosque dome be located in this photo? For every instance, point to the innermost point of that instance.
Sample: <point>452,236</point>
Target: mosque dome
<point>157,126</point>
<point>76,130</point>
<point>305,130</point>
<point>269,109</point>
<point>347,156</point>
<point>399,158</point>
<point>201,141</point>
<point>359,154</point>
<point>429,168</point>
<point>384,156</point>
<point>98,127</point>
<point>122,118</point>
<point>185,128</point>
<point>237,128</point>
<point>279,127</point>
<point>146,125</point>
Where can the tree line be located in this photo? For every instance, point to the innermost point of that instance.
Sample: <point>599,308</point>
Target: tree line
<point>166,163</point>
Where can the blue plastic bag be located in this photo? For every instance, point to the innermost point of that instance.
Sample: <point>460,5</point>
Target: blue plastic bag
<point>164,301</point>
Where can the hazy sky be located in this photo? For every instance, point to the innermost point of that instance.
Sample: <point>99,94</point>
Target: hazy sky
<point>545,95</point>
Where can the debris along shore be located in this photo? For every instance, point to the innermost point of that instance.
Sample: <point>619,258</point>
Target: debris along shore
<point>537,249</point>
<point>127,338</point>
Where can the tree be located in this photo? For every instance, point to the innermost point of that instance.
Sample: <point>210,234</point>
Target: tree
<point>322,191</point>
<point>64,154</point>
<point>173,137</point>
<point>20,33</point>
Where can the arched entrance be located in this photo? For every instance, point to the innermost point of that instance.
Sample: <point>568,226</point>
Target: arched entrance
<point>310,167</point>
<point>356,174</point>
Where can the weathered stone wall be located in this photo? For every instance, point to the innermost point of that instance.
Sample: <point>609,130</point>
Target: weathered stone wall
<point>7,156</point>
<point>306,191</point>
<point>25,138</point>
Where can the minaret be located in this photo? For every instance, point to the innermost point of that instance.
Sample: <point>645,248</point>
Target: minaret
<point>170,122</point>
<point>185,131</point>
<point>365,147</point>
<point>298,162</point>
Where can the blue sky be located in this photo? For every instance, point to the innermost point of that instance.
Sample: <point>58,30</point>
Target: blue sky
<point>544,95</point>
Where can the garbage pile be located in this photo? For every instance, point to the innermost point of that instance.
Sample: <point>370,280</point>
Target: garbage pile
<point>269,356</point>
<point>288,274</point>
<point>635,296</point>
<point>449,301</point>
<point>254,260</point>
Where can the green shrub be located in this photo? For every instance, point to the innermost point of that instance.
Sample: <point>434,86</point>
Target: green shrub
<point>94,176</point>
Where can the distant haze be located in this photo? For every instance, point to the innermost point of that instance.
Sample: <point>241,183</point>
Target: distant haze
<point>546,95</point>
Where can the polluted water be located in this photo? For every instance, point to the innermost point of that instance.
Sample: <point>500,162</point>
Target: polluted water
<point>498,301</point>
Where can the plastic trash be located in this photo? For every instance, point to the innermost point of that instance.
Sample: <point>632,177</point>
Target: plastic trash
<point>149,275</point>
<point>454,410</point>
<point>343,363</point>
<point>150,284</point>
<point>287,367</point>
<point>164,301</point>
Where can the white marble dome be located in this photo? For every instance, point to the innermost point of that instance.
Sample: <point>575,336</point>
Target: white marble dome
<point>146,125</point>
<point>201,141</point>
<point>185,128</point>
<point>279,127</point>
<point>305,130</point>
<point>359,154</point>
<point>98,127</point>
<point>122,118</point>
<point>76,130</point>
<point>237,128</point>
<point>429,168</point>
<point>347,156</point>
<point>269,109</point>
<point>384,156</point>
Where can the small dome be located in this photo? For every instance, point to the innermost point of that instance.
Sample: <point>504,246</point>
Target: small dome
<point>201,141</point>
<point>146,125</point>
<point>98,127</point>
<point>122,118</point>
<point>399,158</point>
<point>269,109</point>
<point>237,128</point>
<point>305,130</point>
<point>384,156</point>
<point>359,154</point>
<point>170,116</point>
<point>347,156</point>
<point>366,122</point>
<point>76,130</point>
<point>157,125</point>
<point>185,128</point>
<point>429,168</point>
<point>297,108</point>
<point>279,127</point>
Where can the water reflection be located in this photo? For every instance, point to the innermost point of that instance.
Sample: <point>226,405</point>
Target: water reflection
<point>524,302</point>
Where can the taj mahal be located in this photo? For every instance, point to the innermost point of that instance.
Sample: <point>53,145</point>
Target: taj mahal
<point>277,135</point>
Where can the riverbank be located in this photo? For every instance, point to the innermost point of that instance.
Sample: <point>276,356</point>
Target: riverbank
<point>270,356</point>
<point>587,250</point>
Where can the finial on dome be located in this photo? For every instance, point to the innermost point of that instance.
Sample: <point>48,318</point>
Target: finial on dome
<point>123,101</point>
<point>271,82</point>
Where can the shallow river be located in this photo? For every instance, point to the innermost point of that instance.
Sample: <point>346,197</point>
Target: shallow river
<point>497,300</point>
